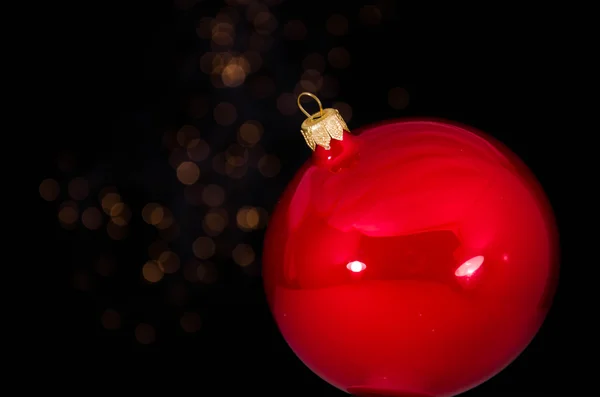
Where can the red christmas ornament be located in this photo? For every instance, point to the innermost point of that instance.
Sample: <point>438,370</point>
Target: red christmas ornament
<point>411,258</point>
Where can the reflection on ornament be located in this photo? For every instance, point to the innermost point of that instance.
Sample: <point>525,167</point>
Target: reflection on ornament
<point>411,258</point>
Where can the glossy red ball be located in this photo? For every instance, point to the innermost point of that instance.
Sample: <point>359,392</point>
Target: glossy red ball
<point>413,258</point>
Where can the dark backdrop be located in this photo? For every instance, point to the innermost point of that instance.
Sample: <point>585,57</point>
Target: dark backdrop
<point>145,70</point>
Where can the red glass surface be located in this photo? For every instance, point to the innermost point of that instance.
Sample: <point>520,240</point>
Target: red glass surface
<point>414,258</point>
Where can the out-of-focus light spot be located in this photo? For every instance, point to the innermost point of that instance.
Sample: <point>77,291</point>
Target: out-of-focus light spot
<point>152,213</point>
<point>468,268</point>
<point>215,221</point>
<point>206,62</point>
<point>186,134</point>
<point>265,23</point>
<point>398,98</point>
<point>116,231</point>
<point>225,113</point>
<point>168,262</point>
<point>254,8</point>
<point>370,15</point>
<point>236,155</point>
<point>213,195</point>
<point>198,150</point>
<point>207,273</point>
<point>191,322</point>
<point>108,200</point>
<point>120,214</point>
<point>68,213</point>
<point>286,104</point>
<point>233,75</point>
<point>145,334</point>
<point>91,218</point>
<point>356,266</point>
<point>269,165</point>
<point>311,81</point>
<point>110,319</point>
<point>344,109</point>
<point>339,57</point>
<point>243,254</point>
<point>337,25</point>
<point>203,247</point>
<point>250,133</point>
<point>198,107</point>
<point>78,189</point>
<point>314,61</point>
<point>152,272</point>
<point>188,173</point>
<point>166,221</point>
<point>49,189</point>
<point>262,87</point>
<point>295,30</point>
<point>248,218</point>
<point>157,248</point>
<point>104,267</point>
<point>223,33</point>
<point>193,194</point>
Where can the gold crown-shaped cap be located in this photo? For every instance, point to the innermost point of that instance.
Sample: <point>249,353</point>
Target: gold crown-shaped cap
<point>321,127</point>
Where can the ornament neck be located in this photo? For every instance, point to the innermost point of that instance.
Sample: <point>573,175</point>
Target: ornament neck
<point>341,154</point>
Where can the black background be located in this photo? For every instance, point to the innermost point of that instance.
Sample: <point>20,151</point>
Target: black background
<point>136,67</point>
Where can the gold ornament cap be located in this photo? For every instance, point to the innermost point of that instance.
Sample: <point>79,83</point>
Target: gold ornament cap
<point>321,127</point>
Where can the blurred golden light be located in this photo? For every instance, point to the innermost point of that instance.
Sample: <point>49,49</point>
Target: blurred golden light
<point>68,213</point>
<point>223,33</point>
<point>398,98</point>
<point>295,30</point>
<point>168,262</point>
<point>120,214</point>
<point>206,273</point>
<point>109,200</point>
<point>248,218</point>
<point>370,15</point>
<point>152,272</point>
<point>254,7</point>
<point>203,247</point>
<point>157,248</point>
<point>213,195</point>
<point>233,75</point>
<point>269,165</point>
<point>215,221</point>
<point>49,189</point>
<point>262,87</point>
<point>190,322</point>
<point>116,231</point>
<point>145,334</point>
<point>265,23</point>
<point>314,61</point>
<point>337,25</point>
<point>78,189</point>
<point>235,172</point>
<point>243,254</point>
<point>186,134</point>
<point>111,319</point>
<point>344,109</point>
<point>225,113</point>
<point>206,62</point>
<point>166,218</point>
<point>148,213</point>
<point>311,81</point>
<point>188,173</point>
<point>286,104</point>
<point>197,150</point>
<point>250,133</point>
<point>91,218</point>
<point>236,155</point>
<point>339,57</point>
